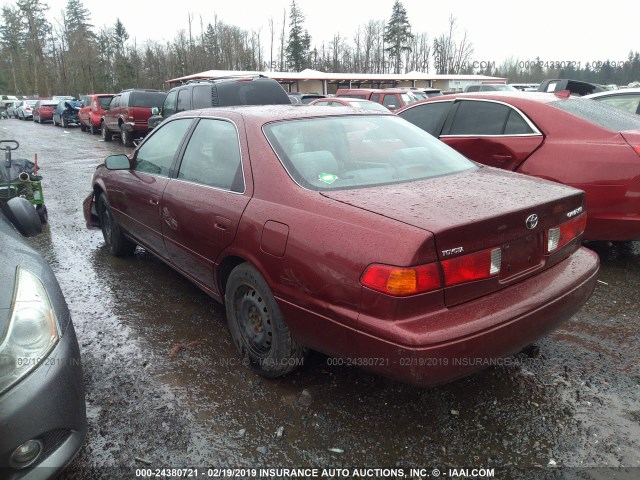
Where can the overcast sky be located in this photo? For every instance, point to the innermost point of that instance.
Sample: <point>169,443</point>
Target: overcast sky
<point>524,30</point>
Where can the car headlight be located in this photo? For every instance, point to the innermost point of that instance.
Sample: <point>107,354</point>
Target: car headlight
<point>32,331</point>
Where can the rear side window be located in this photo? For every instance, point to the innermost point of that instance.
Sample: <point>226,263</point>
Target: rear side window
<point>429,117</point>
<point>628,102</point>
<point>124,99</point>
<point>201,97</point>
<point>213,156</point>
<point>146,99</point>
<point>487,118</point>
<point>599,113</point>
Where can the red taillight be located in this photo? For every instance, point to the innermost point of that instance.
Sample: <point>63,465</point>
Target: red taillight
<point>475,266</point>
<point>636,148</point>
<point>402,281</point>
<point>559,236</point>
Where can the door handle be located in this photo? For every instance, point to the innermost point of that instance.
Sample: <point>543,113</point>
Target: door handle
<point>222,223</point>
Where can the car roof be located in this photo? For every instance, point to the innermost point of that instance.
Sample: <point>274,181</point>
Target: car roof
<point>268,113</point>
<point>608,93</point>
<point>540,97</point>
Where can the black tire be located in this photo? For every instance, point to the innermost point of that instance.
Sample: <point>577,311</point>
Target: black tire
<point>117,244</point>
<point>257,326</point>
<point>126,137</point>
<point>65,123</point>
<point>83,128</point>
<point>42,213</point>
<point>106,134</point>
<point>39,120</point>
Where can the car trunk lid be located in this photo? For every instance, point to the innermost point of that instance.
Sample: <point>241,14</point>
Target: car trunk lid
<point>485,210</point>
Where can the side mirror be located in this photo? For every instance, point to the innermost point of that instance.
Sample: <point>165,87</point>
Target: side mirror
<point>117,162</point>
<point>24,217</point>
<point>155,111</point>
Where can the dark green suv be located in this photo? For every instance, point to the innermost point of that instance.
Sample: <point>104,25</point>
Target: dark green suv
<point>221,92</point>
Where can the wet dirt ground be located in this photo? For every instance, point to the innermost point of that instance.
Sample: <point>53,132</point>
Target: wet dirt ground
<point>165,387</point>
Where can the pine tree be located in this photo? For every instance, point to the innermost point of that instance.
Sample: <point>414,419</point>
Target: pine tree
<point>397,34</point>
<point>299,40</point>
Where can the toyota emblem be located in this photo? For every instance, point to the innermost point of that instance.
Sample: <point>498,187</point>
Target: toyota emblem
<point>532,221</point>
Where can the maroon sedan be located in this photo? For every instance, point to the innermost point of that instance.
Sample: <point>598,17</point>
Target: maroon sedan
<point>356,234</point>
<point>595,148</point>
<point>92,110</point>
<point>43,110</point>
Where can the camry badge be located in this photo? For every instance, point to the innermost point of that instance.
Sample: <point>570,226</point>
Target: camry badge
<point>532,221</point>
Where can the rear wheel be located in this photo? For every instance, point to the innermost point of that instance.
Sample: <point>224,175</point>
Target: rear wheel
<point>114,239</point>
<point>83,128</point>
<point>126,136</point>
<point>106,134</point>
<point>257,326</point>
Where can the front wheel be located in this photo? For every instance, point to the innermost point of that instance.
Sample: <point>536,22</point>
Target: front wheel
<point>106,135</point>
<point>257,326</point>
<point>114,239</point>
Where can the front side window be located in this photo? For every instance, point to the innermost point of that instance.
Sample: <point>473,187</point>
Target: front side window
<point>354,151</point>
<point>169,107</point>
<point>213,156</point>
<point>184,100</point>
<point>156,155</point>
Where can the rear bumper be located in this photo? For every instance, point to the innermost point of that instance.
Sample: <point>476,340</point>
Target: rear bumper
<point>471,336</point>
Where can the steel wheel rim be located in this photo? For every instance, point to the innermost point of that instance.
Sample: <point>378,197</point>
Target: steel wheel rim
<point>254,321</point>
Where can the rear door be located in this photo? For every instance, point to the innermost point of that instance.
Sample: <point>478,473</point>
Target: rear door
<point>490,132</point>
<point>201,208</point>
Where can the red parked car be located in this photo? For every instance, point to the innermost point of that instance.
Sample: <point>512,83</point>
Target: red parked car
<point>351,233</point>
<point>569,140</point>
<point>43,110</point>
<point>92,111</point>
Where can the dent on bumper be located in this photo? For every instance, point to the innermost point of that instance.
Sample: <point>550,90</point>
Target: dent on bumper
<point>492,327</point>
<point>47,405</point>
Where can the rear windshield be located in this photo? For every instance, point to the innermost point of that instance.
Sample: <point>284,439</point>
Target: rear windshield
<point>147,99</point>
<point>334,153</point>
<point>104,101</point>
<point>252,92</point>
<point>599,113</point>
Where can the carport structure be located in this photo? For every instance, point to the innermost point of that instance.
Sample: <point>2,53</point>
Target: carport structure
<point>313,81</point>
